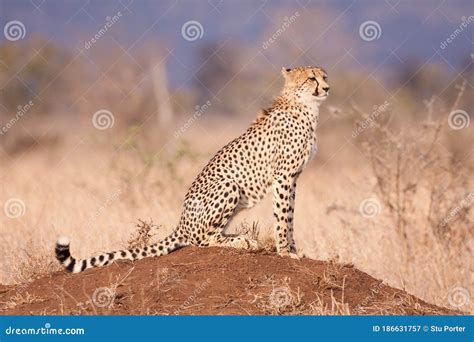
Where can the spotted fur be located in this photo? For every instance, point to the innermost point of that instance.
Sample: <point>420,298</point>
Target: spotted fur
<point>269,156</point>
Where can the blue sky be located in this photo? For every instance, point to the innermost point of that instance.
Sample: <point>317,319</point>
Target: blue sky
<point>410,30</point>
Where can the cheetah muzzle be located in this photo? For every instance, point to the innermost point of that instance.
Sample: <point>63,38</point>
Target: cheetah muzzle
<point>269,156</point>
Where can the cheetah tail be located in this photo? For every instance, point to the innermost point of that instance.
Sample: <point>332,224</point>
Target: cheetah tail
<point>163,247</point>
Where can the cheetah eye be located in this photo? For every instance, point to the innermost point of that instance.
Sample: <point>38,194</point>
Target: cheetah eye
<point>325,78</point>
<point>312,78</point>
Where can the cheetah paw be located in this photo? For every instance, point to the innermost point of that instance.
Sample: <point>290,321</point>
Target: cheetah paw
<point>252,245</point>
<point>289,254</point>
<point>246,244</point>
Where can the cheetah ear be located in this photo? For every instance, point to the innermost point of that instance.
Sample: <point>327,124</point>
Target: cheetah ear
<point>285,71</point>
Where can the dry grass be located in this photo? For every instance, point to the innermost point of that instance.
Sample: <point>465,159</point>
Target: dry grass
<point>318,307</point>
<point>20,299</point>
<point>274,297</point>
<point>35,262</point>
<point>143,235</point>
<point>278,297</point>
<point>94,198</point>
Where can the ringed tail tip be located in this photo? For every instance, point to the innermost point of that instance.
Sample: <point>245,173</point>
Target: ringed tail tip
<point>62,241</point>
<point>63,254</point>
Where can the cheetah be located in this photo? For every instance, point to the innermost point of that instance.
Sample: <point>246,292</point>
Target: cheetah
<point>269,156</point>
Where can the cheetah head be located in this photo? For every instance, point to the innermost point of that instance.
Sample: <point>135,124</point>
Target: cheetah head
<point>306,83</point>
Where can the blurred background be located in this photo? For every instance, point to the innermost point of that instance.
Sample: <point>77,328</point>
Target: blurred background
<point>108,110</point>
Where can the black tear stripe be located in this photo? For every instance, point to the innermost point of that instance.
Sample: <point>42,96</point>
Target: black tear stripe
<point>70,267</point>
<point>317,84</point>
<point>84,265</point>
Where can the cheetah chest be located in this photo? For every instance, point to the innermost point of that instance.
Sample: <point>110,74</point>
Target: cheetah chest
<point>311,150</point>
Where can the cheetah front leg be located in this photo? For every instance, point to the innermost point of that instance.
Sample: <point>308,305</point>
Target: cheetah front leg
<point>291,240</point>
<point>284,190</point>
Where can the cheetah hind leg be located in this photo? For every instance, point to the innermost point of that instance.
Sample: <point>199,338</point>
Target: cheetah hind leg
<point>222,216</point>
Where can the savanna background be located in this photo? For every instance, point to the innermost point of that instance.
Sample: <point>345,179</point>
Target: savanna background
<point>109,109</point>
